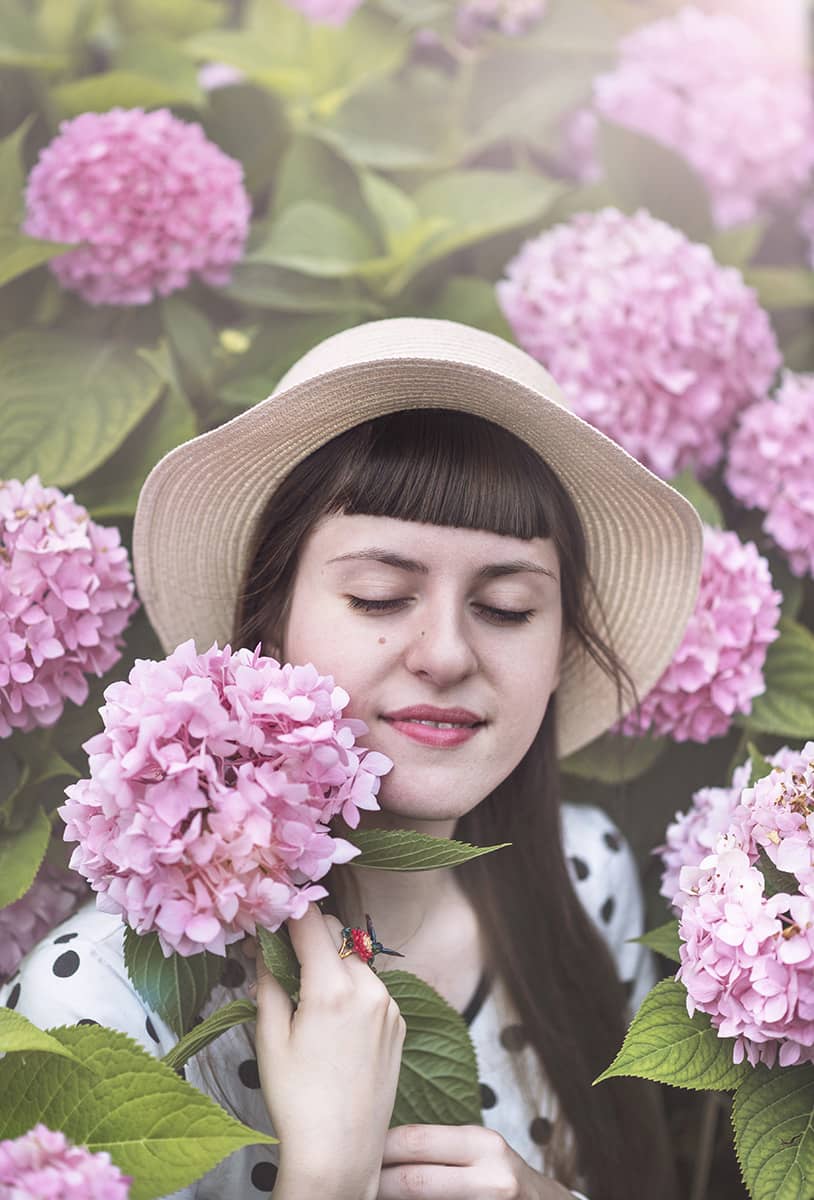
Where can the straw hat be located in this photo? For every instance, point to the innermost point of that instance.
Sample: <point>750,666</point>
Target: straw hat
<point>199,507</point>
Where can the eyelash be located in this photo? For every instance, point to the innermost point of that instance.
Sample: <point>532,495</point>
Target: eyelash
<point>501,616</point>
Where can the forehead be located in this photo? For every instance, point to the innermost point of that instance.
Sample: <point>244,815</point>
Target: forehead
<point>435,546</point>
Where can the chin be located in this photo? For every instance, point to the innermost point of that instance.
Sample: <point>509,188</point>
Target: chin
<point>433,804</point>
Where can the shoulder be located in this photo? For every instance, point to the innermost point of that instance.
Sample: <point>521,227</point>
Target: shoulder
<point>76,975</point>
<point>606,879</point>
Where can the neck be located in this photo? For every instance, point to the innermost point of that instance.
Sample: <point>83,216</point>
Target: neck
<point>408,908</point>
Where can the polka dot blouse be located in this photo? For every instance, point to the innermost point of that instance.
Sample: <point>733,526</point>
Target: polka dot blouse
<point>77,976</point>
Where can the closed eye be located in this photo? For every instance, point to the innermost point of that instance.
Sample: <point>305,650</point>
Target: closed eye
<point>498,616</point>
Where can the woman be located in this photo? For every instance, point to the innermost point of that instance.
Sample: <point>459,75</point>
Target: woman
<point>493,581</point>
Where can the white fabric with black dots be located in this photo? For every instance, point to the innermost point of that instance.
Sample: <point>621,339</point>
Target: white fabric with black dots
<point>77,975</point>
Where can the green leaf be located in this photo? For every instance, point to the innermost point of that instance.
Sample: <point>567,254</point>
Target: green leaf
<point>704,503</point>
<point>237,1012</point>
<point>668,1046</point>
<point>19,1036</point>
<point>473,301</point>
<point>317,240</point>
<point>664,940</point>
<point>176,986</point>
<point>156,1128</point>
<point>280,959</point>
<point>774,1132</point>
<point>612,759</point>
<point>438,1081</point>
<point>12,176</point>
<point>20,42</point>
<point>158,59</point>
<point>736,246</point>
<point>68,402</point>
<point>774,879</point>
<point>786,708</point>
<point>192,339</point>
<point>113,490</point>
<point>393,125</point>
<point>782,287</point>
<point>261,285</point>
<point>406,850</point>
<point>465,207</point>
<point>19,253</point>
<point>394,211</point>
<point>20,858</point>
<point>759,767</point>
<point>181,18</point>
<point>117,89</point>
<point>642,173</point>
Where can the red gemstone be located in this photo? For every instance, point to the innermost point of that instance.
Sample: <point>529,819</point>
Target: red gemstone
<point>362,945</point>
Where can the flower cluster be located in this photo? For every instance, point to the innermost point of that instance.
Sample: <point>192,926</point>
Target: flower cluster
<point>718,669</point>
<point>695,833</point>
<point>326,12</point>
<point>732,100</point>
<point>151,200</point>
<point>771,466</point>
<point>209,794</point>
<point>52,897</point>
<point>44,1165</point>
<point>66,594</point>
<point>512,18</point>
<point>747,952</point>
<point>652,341</point>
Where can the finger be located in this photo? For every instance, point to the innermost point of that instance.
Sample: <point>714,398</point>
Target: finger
<point>452,1145</point>
<point>316,941</point>
<point>274,1007</point>
<point>431,1182</point>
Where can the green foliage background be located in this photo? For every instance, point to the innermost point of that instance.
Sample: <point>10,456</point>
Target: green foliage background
<point>388,177</point>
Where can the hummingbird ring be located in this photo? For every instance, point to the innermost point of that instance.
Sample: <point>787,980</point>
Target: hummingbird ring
<point>364,943</point>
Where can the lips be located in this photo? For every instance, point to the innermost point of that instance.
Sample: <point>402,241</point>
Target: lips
<point>439,728</point>
<point>438,716</point>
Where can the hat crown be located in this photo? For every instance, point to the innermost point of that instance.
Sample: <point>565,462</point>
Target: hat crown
<point>426,339</point>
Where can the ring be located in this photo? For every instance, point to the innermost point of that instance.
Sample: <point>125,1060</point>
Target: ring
<point>364,943</point>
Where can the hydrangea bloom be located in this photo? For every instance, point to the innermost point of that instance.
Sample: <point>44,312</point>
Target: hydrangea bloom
<point>694,834</point>
<point>652,341</point>
<point>732,100</point>
<point>44,1165</point>
<point>209,794</point>
<point>718,668</point>
<point>326,12</point>
<point>512,18</point>
<point>747,957</point>
<point>214,75</point>
<point>771,466</point>
<point>52,897</point>
<point>151,200</point>
<point>66,594</point>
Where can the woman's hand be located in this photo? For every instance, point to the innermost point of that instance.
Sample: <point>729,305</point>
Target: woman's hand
<point>328,1070</point>
<point>458,1162</point>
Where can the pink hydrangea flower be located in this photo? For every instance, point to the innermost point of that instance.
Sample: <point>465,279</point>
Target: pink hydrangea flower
<point>653,342</point>
<point>66,594</point>
<point>718,668</point>
<point>512,18</point>
<point>150,200</point>
<point>326,12</point>
<point>735,102</point>
<point>747,958</point>
<point>44,1165</point>
<point>52,897</point>
<point>214,75</point>
<point>210,792</point>
<point>771,466</point>
<point>694,834</point>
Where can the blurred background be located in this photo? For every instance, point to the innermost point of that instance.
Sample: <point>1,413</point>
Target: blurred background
<point>623,187</point>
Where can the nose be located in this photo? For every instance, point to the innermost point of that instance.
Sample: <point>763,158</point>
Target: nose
<point>440,645</point>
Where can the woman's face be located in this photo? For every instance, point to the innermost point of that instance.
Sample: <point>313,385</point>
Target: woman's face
<point>429,626</point>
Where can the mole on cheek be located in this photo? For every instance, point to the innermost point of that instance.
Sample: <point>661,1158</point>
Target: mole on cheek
<point>382,641</point>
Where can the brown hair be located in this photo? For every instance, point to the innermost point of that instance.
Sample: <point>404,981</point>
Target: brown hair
<point>455,469</point>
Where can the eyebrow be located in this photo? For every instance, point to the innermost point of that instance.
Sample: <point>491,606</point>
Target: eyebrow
<point>491,571</point>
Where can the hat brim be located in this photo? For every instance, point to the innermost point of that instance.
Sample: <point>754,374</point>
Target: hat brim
<point>199,508</point>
